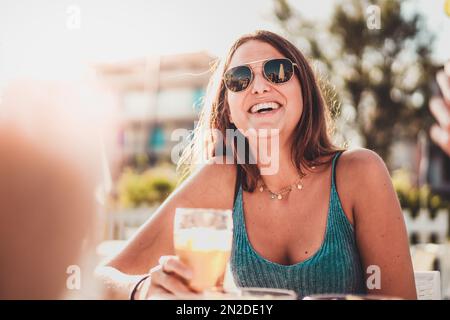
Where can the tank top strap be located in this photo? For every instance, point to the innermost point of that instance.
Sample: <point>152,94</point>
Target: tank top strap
<point>333,170</point>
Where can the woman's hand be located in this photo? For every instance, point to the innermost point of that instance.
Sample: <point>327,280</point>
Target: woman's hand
<point>168,280</point>
<point>440,108</point>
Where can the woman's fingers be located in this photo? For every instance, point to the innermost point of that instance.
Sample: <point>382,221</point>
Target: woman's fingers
<point>172,264</point>
<point>447,68</point>
<point>170,282</point>
<point>441,137</point>
<point>166,276</point>
<point>157,293</point>
<point>441,112</point>
<point>443,79</point>
<point>440,108</point>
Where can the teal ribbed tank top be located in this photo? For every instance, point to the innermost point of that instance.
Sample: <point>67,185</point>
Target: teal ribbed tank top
<point>334,269</point>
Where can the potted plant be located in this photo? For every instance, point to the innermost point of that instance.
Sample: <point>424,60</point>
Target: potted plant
<point>148,188</point>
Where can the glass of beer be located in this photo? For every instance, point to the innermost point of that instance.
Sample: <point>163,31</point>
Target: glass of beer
<point>202,240</point>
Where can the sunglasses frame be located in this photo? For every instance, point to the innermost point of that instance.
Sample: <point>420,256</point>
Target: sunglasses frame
<point>252,73</point>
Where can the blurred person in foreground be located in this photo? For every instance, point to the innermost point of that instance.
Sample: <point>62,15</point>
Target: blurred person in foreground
<point>49,170</point>
<point>440,108</point>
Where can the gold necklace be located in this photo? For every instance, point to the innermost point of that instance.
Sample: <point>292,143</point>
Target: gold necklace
<point>284,191</point>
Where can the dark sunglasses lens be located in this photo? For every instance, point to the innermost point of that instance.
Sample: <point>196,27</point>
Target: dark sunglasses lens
<point>238,79</point>
<point>278,70</point>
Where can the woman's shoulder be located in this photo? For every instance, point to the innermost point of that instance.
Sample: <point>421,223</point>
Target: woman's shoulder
<point>357,170</point>
<point>358,167</point>
<point>212,182</point>
<point>361,153</point>
<point>217,169</point>
<point>361,158</point>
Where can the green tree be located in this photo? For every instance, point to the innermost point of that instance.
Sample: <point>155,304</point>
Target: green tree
<point>377,55</point>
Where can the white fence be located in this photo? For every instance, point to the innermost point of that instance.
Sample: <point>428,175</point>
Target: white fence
<point>123,224</point>
<point>427,256</point>
<point>423,227</point>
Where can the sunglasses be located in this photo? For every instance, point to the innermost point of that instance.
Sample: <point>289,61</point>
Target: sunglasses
<point>274,70</point>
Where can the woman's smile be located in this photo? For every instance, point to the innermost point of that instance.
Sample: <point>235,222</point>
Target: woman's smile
<point>264,107</point>
<point>266,111</point>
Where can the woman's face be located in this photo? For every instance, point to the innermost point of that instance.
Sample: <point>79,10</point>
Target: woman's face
<point>261,91</point>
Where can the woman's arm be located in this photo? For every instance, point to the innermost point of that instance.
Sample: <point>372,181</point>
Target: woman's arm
<point>209,187</point>
<point>379,225</point>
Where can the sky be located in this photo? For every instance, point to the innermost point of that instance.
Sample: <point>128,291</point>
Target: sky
<point>53,39</point>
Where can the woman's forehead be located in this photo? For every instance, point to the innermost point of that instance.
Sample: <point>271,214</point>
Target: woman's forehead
<point>252,51</point>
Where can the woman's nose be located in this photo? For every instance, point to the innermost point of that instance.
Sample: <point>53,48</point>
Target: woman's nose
<point>260,84</point>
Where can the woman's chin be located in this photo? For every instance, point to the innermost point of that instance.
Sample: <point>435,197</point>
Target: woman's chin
<point>266,128</point>
<point>263,132</point>
<point>270,122</point>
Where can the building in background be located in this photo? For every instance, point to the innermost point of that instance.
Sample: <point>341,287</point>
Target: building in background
<point>157,95</point>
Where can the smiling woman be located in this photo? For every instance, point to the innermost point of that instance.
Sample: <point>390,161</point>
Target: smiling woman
<point>292,228</point>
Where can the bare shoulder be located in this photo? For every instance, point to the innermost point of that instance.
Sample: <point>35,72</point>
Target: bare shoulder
<point>217,169</point>
<point>379,226</point>
<point>361,157</point>
<point>359,171</point>
<point>216,173</point>
<point>212,184</point>
<point>359,165</point>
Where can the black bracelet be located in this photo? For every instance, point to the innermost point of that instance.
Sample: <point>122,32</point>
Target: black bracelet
<point>136,286</point>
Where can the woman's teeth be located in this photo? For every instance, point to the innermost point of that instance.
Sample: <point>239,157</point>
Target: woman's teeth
<point>264,107</point>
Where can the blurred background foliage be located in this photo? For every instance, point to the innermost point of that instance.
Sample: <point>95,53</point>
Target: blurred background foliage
<point>414,198</point>
<point>147,188</point>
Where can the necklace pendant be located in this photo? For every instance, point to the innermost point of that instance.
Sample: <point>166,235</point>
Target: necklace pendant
<point>280,197</point>
<point>261,189</point>
<point>299,186</point>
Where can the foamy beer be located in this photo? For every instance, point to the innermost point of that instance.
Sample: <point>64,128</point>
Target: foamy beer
<point>202,239</point>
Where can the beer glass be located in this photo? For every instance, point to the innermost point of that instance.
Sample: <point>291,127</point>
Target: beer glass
<point>202,240</point>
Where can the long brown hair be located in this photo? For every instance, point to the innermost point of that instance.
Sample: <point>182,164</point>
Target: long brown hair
<point>311,138</point>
